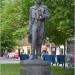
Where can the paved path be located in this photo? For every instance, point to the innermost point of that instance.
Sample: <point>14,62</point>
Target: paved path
<point>9,61</point>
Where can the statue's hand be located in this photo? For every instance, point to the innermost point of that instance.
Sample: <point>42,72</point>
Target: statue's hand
<point>40,17</point>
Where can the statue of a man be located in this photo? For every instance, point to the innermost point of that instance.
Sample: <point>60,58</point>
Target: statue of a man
<point>38,14</point>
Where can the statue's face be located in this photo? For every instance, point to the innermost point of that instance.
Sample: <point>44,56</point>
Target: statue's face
<point>38,1</point>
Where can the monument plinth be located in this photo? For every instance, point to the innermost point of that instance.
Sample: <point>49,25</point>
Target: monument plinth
<point>35,67</point>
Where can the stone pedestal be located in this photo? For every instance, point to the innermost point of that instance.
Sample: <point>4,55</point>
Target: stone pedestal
<point>35,67</point>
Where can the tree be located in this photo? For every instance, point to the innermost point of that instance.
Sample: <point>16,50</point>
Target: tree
<point>11,28</point>
<point>60,25</point>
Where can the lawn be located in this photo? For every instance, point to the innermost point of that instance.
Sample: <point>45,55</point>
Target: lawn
<point>14,69</point>
<point>10,69</point>
<point>62,71</point>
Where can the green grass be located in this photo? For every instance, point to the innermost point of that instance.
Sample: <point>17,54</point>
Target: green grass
<point>14,69</point>
<point>62,71</point>
<point>10,69</point>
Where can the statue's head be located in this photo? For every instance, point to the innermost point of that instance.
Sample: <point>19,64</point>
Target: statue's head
<point>38,1</point>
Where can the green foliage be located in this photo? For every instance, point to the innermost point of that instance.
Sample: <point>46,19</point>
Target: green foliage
<point>11,28</point>
<point>25,5</point>
<point>60,24</point>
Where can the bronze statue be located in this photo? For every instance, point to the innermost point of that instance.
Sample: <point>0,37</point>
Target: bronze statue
<point>38,14</point>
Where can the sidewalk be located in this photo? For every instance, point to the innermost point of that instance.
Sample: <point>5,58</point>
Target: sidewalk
<point>4,60</point>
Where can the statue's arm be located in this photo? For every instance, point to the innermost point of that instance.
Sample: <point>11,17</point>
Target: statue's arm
<point>46,13</point>
<point>30,20</point>
<point>30,26</point>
